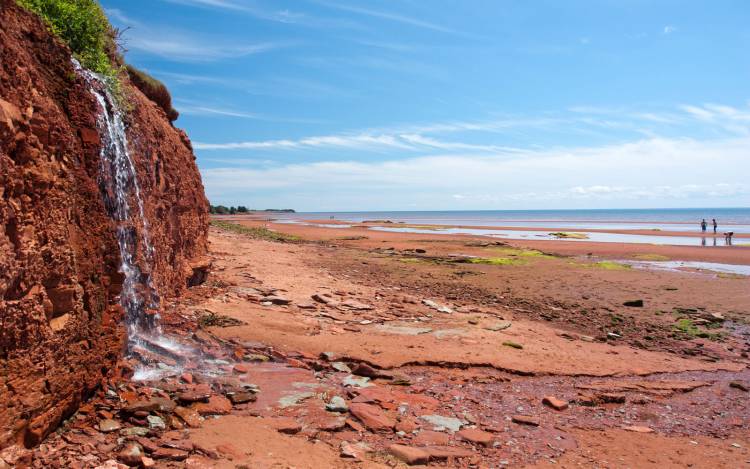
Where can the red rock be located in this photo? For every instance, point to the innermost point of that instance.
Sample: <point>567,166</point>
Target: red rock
<point>446,452</point>
<point>474,435</point>
<point>216,405</point>
<point>354,425</point>
<point>638,429</point>
<point>183,445</point>
<point>372,417</point>
<point>349,451</point>
<point>131,454</point>
<point>147,444</point>
<point>187,378</point>
<point>293,362</point>
<point>526,420</point>
<point>194,396</point>
<point>430,438</point>
<point>228,450</point>
<point>171,454</point>
<point>284,425</point>
<point>409,455</point>
<point>191,417</point>
<point>241,368</point>
<point>555,403</point>
<point>407,425</point>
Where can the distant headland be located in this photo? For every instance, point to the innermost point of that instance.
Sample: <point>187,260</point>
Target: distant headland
<point>223,210</point>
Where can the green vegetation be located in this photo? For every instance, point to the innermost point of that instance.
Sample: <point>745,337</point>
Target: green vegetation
<point>609,265</point>
<point>511,344</point>
<point>512,252</point>
<point>651,257</point>
<point>492,261</point>
<point>565,234</point>
<point>222,210</point>
<point>255,232</point>
<point>154,90</point>
<point>84,27</point>
<point>687,327</point>
<point>606,265</point>
<point>731,275</point>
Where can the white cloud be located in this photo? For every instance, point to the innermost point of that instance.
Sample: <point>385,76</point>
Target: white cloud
<point>653,169</point>
<point>180,47</point>
<point>669,29</point>
<point>389,16</point>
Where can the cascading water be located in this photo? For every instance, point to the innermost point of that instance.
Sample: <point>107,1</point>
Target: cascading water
<point>118,180</point>
<point>119,185</point>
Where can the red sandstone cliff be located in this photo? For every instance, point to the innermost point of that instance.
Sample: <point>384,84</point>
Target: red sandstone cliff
<point>60,325</point>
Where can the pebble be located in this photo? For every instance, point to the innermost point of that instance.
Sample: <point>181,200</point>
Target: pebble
<point>525,420</point>
<point>109,425</point>
<point>555,403</point>
<point>337,404</point>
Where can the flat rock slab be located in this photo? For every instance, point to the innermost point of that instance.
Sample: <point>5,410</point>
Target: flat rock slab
<point>526,420</point>
<point>437,307</point>
<point>474,435</point>
<point>284,425</point>
<point>499,326</point>
<point>409,454</point>
<point>441,423</point>
<point>372,417</point>
<point>402,330</point>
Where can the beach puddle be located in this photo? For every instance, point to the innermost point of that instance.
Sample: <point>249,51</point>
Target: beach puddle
<point>692,266</point>
<point>541,235</point>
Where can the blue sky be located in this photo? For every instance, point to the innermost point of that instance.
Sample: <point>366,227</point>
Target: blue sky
<point>455,104</point>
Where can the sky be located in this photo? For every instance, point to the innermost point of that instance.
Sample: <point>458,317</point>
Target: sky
<point>343,105</point>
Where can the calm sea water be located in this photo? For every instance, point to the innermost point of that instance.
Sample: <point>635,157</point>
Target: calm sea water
<point>687,219</point>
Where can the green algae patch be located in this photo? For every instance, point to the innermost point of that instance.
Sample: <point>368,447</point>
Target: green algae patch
<point>731,276</point>
<point>568,235</point>
<point>651,257</point>
<point>492,261</point>
<point>605,265</point>
<point>410,260</point>
<point>686,327</point>
<point>515,252</point>
<point>610,265</point>
<point>255,232</point>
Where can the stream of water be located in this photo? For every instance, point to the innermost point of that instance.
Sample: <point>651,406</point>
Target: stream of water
<point>121,192</point>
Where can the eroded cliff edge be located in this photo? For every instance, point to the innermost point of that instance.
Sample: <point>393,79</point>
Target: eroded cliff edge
<point>60,322</point>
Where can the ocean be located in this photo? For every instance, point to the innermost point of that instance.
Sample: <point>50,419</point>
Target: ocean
<point>682,219</point>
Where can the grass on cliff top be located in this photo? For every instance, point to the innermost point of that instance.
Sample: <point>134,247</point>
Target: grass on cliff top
<point>83,26</point>
<point>154,90</point>
<point>255,232</point>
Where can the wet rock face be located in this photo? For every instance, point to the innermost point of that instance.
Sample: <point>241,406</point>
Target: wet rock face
<point>60,324</point>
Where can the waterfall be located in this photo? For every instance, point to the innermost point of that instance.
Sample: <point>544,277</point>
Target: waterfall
<point>118,181</point>
<point>158,354</point>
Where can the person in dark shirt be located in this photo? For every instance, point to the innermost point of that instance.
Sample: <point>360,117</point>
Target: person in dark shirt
<point>704,225</point>
<point>716,225</point>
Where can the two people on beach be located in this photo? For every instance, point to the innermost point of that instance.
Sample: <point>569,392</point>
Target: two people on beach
<point>727,236</point>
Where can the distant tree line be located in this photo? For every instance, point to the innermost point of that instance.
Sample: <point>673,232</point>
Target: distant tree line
<point>223,210</point>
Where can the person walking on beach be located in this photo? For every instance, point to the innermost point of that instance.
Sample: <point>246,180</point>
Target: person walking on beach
<point>716,225</point>
<point>704,225</point>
